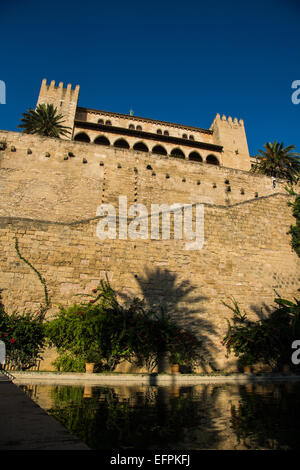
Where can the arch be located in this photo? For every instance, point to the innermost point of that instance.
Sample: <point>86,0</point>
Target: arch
<point>108,123</point>
<point>178,153</point>
<point>195,157</point>
<point>101,140</point>
<point>121,144</point>
<point>159,150</point>
<point>212,160</point>
<point>141,147</point>
<point>131,126</point>
<point>166,133</point>
<point>138,128</point>
<point>184,136</point>
<point>191,137</point>
<point>100,121</point>
<point>82,137</point>
<point>159,131</point>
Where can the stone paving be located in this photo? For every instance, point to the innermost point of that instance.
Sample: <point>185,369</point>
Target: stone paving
<point>26,426</point>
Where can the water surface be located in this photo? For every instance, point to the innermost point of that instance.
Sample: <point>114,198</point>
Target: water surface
<point>206,416</point>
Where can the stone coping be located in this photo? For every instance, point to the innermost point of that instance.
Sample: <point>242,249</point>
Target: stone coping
<point>24,425</point>
<point>74,378</point>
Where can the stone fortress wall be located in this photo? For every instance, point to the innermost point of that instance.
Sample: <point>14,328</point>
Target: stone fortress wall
<point>50,191</point>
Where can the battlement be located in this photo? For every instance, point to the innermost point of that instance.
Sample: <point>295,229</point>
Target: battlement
<point>60,86</point>
<point>231,122</point>
<point>226,136</point>
<point>231,132</point>
<point>64,99</point>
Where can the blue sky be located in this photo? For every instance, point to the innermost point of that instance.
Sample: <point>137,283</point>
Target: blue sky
<point>168,60</point>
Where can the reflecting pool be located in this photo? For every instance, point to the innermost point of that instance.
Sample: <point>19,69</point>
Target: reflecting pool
<point>206,416</point>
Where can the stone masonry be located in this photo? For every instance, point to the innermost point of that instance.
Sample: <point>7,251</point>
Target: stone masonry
<point>50,191</point>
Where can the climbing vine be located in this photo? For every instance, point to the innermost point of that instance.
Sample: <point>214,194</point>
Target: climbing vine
<point>295,229</point>
<point>42,280</point>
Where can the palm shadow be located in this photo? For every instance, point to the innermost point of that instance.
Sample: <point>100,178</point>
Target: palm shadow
<point>162,290</point>
<point>262,311</point>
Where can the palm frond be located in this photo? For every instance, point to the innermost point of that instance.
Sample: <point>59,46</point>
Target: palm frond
<point>278,161</point>
<point>44,120</point>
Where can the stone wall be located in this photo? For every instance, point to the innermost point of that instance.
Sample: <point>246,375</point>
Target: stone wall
<point>50,204</point>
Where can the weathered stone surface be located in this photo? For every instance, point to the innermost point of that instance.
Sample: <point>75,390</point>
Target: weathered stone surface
<point>50,205</point>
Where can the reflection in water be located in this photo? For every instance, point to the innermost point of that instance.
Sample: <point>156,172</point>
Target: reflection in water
<point>206,416</point>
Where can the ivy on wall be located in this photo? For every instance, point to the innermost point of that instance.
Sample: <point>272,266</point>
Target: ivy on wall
<point>295,229</point>
<point>42,280</point>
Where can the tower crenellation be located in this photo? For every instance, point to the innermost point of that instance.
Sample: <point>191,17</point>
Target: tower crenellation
<point>64,99</point>
<point>224,144</point>
<point>230,133</point>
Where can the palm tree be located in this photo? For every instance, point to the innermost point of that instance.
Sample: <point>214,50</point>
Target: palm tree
<point>44,120</point>
<point>278,162</point>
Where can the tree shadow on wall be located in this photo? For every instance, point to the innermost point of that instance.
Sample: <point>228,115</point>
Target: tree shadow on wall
<point>262,311</point>
<point>162,290</point>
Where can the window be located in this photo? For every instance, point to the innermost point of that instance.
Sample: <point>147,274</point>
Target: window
<point>191,137</point>
<point>184,136</point>
<point>212,160</point>
<point>166,133</point>
<point>138,128</point>
<point>159,131</point>
<point>82,137</point>
<point>177,153</point>
<point>101,140</point>
<point>195,157</point>
<point>121,144</point>
<point>131,126</point>
<point>108,123</point>
<point>100,121</point>
<point>141,147</point>
<point>159,150</point>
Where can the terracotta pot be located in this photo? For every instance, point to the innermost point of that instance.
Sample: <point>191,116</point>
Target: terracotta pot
<point>175,391</point>
<point>175,368</point>
<point>89,367</point>
<point>247,370</point>
<point>87,392</point>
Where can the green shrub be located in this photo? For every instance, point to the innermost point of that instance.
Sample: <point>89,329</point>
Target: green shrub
<point>68,363</point>
<point>24,338</point>
<point>104,332</point>
<point>93,331</point>
<point>268,340</point>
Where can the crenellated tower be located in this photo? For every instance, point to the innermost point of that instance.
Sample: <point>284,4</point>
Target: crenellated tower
<point>224,144</point>
<point>230,133</point>
<point>64,99</point>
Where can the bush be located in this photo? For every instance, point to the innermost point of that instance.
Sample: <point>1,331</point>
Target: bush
<point>68,363</point>
<point>104,332</point>
<point>24,338</point>
<point>93,331</point>
<point>268,340</point>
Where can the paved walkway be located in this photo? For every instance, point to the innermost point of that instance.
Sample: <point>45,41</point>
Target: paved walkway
<point>26,426</point>
<point>72,378</point>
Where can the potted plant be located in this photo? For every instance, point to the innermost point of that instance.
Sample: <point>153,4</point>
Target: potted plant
<point>91,359</point>
<point>286,368</point>
<point>245,363</point>
<point>175,361</point>
<point>89,367</point>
